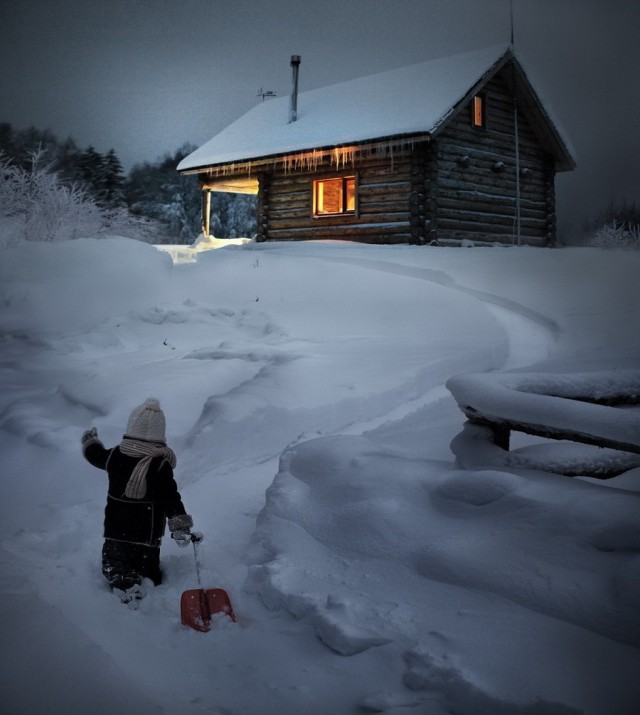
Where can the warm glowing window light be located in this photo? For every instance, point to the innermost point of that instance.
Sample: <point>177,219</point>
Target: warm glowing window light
<point>477,111</point>
<point>334,196</point>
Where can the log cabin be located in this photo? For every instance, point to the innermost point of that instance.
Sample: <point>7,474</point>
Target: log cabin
<point>443,152</point>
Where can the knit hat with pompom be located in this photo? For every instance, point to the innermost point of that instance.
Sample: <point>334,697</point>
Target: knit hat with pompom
<point>147,422</point>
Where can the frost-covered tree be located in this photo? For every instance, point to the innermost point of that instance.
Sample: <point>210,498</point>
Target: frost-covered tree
<point>39,207</point>
<point>233,215</point>
<point>618,226</point>
<point>617,235</point>
<point>241,215</point>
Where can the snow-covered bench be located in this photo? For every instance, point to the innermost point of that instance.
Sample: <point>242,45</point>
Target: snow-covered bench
<point>584,408</point>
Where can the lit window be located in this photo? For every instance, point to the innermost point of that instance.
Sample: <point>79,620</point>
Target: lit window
<point>478,111</point>
<point>334,196</point>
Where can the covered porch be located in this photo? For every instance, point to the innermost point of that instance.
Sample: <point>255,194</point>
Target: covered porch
<point>227,185</point>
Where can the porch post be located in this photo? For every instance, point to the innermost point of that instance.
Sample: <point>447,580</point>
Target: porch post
<point>206,212</point>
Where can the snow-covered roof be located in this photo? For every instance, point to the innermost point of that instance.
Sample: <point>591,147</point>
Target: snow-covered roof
<point>410,100</point>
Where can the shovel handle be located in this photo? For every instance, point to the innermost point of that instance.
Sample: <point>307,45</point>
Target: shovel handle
<point>195,543</point>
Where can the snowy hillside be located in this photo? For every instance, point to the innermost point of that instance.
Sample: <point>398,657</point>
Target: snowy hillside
<point>304,388</point>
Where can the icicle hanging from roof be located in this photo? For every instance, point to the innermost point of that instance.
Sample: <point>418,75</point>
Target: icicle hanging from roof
<point>337,157</point>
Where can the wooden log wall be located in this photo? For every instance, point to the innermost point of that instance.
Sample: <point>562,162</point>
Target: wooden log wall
<point>477,177</point>
<point>382,212</point>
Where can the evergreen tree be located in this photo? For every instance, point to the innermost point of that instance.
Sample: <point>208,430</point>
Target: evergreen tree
<point>113,181</point>
<point>91,172</point>
<point>157,191</point>
<point>7,145</point>
<point>67,158</point>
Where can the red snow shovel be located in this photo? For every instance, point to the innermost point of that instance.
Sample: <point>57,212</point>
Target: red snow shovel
<point>198,605</point>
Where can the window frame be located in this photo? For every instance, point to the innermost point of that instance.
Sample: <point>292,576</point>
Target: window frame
<point>482,98</point>
<point>315,183</point>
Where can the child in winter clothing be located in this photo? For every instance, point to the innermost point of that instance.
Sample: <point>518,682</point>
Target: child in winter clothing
<point>142,495</point>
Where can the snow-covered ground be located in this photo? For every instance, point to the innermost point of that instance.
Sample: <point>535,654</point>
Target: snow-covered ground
<point>304,388</point>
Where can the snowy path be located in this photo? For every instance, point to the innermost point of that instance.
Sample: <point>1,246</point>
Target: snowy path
<point>530,336</point>
<point>438,277</point>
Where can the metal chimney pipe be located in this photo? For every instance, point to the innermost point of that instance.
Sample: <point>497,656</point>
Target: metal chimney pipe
<point>293,101</point>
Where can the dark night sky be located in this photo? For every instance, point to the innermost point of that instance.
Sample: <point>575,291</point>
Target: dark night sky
<point>145,76</point>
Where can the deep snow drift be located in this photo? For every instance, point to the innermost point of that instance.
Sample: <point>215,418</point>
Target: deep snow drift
<point>304,392</point>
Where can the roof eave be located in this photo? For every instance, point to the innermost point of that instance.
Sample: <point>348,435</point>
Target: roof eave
<point>545,126</point>
<point>394,139</point>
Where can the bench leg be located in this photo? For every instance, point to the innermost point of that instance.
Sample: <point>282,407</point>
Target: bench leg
<point>501,437</point>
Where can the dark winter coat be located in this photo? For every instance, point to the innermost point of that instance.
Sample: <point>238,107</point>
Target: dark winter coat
<point>138,521</point>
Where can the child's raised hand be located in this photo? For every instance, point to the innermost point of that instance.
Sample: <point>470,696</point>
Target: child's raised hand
<point>89,435</point>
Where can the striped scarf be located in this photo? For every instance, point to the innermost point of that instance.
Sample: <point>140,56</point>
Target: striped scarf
<point>145,451</point>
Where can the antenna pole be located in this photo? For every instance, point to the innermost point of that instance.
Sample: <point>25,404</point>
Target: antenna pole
<point>512,41</point>
<point>517,140</point>
<point>518,217</point>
